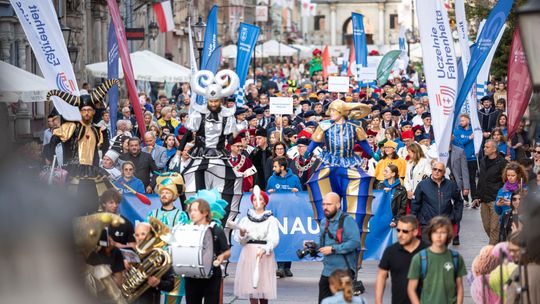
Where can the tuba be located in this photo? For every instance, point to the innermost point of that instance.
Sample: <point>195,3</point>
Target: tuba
<point>155,261</point>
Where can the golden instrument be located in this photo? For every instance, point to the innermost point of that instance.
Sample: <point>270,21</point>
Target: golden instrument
<point>155,261</point>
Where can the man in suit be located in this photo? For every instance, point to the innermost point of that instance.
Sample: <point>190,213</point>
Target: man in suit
<point>459,173</point>
<point>158,153</point>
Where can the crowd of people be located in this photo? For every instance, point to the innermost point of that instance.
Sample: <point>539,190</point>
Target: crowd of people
<point>279,153</point>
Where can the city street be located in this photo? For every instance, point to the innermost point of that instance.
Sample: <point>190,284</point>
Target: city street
<point>303,287</point>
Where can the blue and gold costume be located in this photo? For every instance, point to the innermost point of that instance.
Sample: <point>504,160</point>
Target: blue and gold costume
<point>340,170</point>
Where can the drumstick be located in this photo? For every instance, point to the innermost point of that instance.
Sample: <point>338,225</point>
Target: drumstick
<point>256,273</point>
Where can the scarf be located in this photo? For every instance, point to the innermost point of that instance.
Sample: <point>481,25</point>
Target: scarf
<point>511,187</point>
<point>258,218</point>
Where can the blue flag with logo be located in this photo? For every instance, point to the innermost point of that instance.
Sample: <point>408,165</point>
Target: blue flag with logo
<point>485,42</point>
<point>359,39</point>
<point>247,38</point>
<point>112,73</point>
<point>211,54</point>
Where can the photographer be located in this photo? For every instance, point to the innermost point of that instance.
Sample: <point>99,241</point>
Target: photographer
<point>337,247</point>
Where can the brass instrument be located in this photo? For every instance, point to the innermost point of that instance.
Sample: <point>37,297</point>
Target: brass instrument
<point>155,261</point>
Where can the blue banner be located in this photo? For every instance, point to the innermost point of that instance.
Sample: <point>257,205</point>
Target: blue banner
<point>247,38</point>
<point>210,37</point>
<point>296,224</point>
<point>359,39</point>
<point>112,73</point>
<point>485,42</point>
<point>134,210</point>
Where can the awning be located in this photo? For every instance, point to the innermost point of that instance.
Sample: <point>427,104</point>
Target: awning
<point>17,84</point>
<point>276,49</point>
<point>229,52</point>
<point>147,66</point>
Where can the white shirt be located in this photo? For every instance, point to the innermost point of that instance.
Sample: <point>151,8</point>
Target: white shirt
<point>259,231</point>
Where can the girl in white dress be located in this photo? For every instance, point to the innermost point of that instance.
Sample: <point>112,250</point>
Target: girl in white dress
<point>256,271</point>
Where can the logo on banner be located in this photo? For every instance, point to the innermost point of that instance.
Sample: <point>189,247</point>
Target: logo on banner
<point>445,99</point>
<point>243,34</point>
<point>64,83</point>
<point>113,53</point>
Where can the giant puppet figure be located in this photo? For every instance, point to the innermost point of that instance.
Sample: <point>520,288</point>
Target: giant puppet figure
<point>340,170</point>
<point>211,126</point>
<point>80,142</point>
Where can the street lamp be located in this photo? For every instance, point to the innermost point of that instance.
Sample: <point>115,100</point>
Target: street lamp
<point>198,30</point>
<point>529,23</point>
<point>411,38</point>
<point>153,30</point>
<point>73,51</point>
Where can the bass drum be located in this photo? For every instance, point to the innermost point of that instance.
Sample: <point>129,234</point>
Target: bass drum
<point>192,251</point>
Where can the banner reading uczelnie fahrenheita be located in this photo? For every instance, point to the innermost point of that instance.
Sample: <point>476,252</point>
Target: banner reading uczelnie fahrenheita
<point>40,24</point>
<point>440,68</point>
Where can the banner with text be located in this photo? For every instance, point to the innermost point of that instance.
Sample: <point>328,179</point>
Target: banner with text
<point>127,67</point>
<point>112,73</point>
<point>296,224</point>
<point>40,24</point>
<point>210,47</point>
<point>486,41</point>
<point>440,68</point>
<point>483,76</point>
<point>247,38</point>
<point>360,44</point>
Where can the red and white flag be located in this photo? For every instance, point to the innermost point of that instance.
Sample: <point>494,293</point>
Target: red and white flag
<point>164,16</point>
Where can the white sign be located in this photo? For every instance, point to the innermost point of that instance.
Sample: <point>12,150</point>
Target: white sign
<point>40,24</point>
<point>261,13</point>
<point>338,84</point>
<point>281,105</point>
<point>333,69</point>
<point>368,74</point>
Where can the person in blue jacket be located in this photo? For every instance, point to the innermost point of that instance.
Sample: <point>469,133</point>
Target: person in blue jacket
<point>515,178</point>
<point>283,180</point>
<point>128,179</point>
<point>464,138</point>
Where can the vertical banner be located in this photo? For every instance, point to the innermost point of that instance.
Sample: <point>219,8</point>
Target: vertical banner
<point>519,84</point>
<point>40,24</point>
<point>325,62</point>
<point>385,66</point>
<point>247,38</point>
<point>470,107</point>
<point>360,44</point>
<point>164,16</point>
<point>486,41</point>
<point>403,47</point>
<point>210,37</point>
<point>126,64</point>
<point>112,73</point>
<point>440,68</point>
<point>483,75</point>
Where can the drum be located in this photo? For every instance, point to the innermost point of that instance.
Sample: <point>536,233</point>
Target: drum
<point>192,251</point>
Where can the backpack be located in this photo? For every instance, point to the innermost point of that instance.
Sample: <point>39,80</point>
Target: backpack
<point>339,231</point>
<point>423,262</point>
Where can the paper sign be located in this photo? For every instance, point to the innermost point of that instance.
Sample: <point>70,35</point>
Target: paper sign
<point>281,105</point>
<point>368,73</point>
<point>333,69</point>
<point>338,84</point>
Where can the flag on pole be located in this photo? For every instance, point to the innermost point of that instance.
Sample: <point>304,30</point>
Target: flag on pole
<point>440,68</point>
<point>126,64</point>
<point>386,64</point>
<point>483,75</point>
<point>164,16</point>
<point>247,38</point>
<point>112,73</point>
<point>210,46</point>
<point>519,84</point>
<point>360,44</point>
<point>325,62</point>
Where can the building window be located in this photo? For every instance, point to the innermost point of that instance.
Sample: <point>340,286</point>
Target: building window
<point>393,21</point>
<point>320,23</point>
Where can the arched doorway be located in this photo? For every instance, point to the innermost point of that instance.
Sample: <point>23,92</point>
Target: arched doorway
<point>346,37</point>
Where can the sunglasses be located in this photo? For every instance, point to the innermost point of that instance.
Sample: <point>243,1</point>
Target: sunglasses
<point>536,151</point>
<point>437,170</point>
<point>403,230</point>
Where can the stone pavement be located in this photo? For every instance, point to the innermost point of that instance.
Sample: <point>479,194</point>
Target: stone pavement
<point>303,287</point>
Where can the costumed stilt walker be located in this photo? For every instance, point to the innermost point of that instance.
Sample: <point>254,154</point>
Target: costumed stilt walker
<point>340,170</point>
<point>80,142</point>
<point>211,126</point>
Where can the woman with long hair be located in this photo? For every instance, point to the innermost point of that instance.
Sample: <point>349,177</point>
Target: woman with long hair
<point>341,286</point>
<point>502,123</point>
<point>515,178</point>
<point>375,126</point>
<point>170,143</point>
<point>418,168</point>
<point>279,149</point>
<point>392,184</point>
<point>498,135</point>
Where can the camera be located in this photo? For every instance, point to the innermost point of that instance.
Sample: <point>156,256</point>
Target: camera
<point>311,250</point>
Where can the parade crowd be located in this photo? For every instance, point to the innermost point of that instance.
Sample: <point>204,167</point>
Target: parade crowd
<point>276,153</point>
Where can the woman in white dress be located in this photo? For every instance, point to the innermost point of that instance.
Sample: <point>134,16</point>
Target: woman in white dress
<point>256,271</point>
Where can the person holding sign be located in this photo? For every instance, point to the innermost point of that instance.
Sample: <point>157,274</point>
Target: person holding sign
<point>341,171</point>
<point>258,234</point>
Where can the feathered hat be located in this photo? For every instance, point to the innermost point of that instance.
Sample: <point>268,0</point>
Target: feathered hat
<point>217,204</point>
<point>213,87</point>
<point>87,100</point>
<point>344,108</point>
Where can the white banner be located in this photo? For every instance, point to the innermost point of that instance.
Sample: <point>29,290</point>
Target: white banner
<point>440,68</point>
<point>40,24</point>
<point>281,105</point>
<point>338,84</point>
<point>470,106</point>
<point>483,75</point>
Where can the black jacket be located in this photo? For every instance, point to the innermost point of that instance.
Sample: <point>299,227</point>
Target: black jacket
<point>431,200</point>
<point>490,178</point>
<point>258,158</point>
<point>399,201</point>
<point>488,118</point>
<point>152,294</point>
<point>144,166</point>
